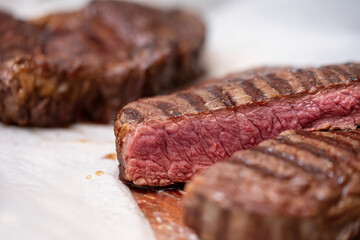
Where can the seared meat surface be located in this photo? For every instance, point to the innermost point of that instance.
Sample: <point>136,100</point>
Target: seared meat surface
<point>167,139</point>
<point>300,185</point>
<point>88,64</point>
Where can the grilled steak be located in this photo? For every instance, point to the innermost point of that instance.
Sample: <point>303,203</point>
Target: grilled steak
<point>88,64</point>
<point>168,139</point>
<point>301,185</point>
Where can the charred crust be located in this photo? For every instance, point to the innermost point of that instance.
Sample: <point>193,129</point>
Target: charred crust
<point>256,94</point>
<point>279,84</point>
<point>168,109</point>
<point>195,101</point>
<point>261,170</point>
<point>132,114</point>
<point>91,79</point>
<point>329,140</point>
<point>222,96</point>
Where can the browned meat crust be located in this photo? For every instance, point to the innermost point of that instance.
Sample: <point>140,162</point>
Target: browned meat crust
<point>167,139</point>
<point>88,64</point>
<point>301,185</point>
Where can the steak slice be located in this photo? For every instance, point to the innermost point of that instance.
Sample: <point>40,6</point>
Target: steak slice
<point>89,63</point>
<point>168,139</point>
<point>301,185</point>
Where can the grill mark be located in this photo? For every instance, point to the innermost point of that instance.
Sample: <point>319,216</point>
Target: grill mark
<point>354,71</point>
<point>133,114</point>
<point>279,84</point>
<point>308,148</point>
<point>168,109</point>
<point>315,72</point>
<point>222,96</point>
<point>336,74</point>
<point>352,135</point>
<point>222,228</point>
<point>197,212</point>
<point>307,78</point>
<point>353,138</point>
<point>340,71</point>
<point>329,75</point>
<point>291,159</point>
<point>328,140</point>
<point>94,40</point>
<point>314,79</point>
<point>249,88</point>
<point>195,101</point>
<point>261,170</point>
<point>317,152</point>
<point>44,40</point>
<point>349,134</point>
<point>302,78</point>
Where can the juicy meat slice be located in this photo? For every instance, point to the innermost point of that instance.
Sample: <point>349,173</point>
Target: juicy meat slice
<point>88,64</point>
<point>168,139</point>
<point>301,185</point>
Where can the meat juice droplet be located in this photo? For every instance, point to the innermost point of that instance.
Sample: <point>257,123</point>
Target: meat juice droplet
<point>99,173</point>
<point>88,177</point>
<point>111,156</point>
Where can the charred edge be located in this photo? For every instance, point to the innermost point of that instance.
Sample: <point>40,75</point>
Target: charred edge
<point>222,96</point>
<point>329,140</point>
<point>168,109</point>
<point>291,159</point>
<point>314,79</point>
<point>144,188</point>
<point>308,148</point>
<point>256,94</point>
<point>307,78</point>
<point>264,171</point>
<point>354,70</point>
<point>340,71</point>
<point>316,75</point>
<point>195,100</point>
<point>280,85</point>
<point>329,75</point>
<point>302,78</point>
<point>132,114</point>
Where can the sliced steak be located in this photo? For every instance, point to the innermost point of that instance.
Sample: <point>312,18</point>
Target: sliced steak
<point>301,185</point>
<point>88,64</point>
<point>168,139</point>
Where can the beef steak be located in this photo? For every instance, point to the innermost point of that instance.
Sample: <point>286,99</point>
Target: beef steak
<point>301,185</point>
<point>88,64</point>
<point>168,139</point>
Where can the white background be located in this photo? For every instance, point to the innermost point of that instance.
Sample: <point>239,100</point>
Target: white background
<point>43,190</point>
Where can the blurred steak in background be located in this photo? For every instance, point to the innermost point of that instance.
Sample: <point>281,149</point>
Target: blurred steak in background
<point>86,65</point>
<point>301,185</point>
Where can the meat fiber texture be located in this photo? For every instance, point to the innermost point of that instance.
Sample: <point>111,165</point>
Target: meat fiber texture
<point>300,185</point>
<point>87,64</point>
<point>168,139</point>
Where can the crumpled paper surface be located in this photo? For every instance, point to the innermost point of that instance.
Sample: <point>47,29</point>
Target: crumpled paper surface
<point>44,193</point>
